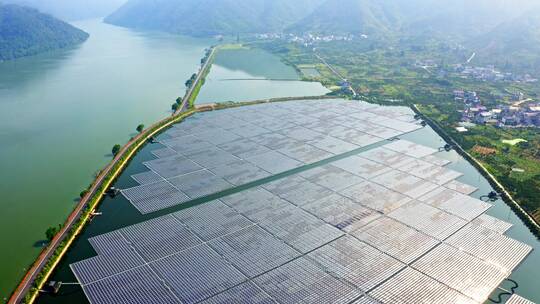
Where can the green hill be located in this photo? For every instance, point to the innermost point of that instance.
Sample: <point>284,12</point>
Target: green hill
<point>351,16</point>
<point>452,18</point>
<point>71,9</point>
<point>212,17</point>
<point>25,31</point>
<point>514,44</point>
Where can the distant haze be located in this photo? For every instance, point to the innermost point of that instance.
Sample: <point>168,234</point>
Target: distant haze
<point>72,9</point>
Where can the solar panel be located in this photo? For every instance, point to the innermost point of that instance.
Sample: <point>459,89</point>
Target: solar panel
<point>441,162</point>
<point>356,137</point>
<point>461,187</point>
<point>247,293</point>
<point>300,281</point>
<point>176,131</point>
<point>186,144</point>
<point>375,197</point>
<point>412,287</point>
<point>218,136</point>
<point>366,300</point>
<point>301,134</point>
<point>109,243</point>
<point>405,183</point>
<point>240,172</point>
<point>516,299</point>
<point>427,219</point>
<point>428,171</point>
<point>396,239</point>
<point>458,204</point>
<point>257,204</point>
<point>362,167</point>
<point>305,153</point>
<point>253,250</point>
<point>297,190</point>
<point>490,246</point>
<point>164,152</point>
<point>341,212</point>
<point>372,128</point>
<point>211,157</point>
<point>274,162</point>
<point>331,177</point>
<point>492,223</point>
<point>395,124</point>
<point>148,177</point>
<point>136,286</point>
<point>274,124</point>
<point>172,166</point>
<point>333,145</point>
<point>152,197</point>
<point>103,266</point>
<point>244,148</point>
<point>212,220</point>
<point>461,271</point>
<point>200,183</point>
<point>387,157</point>
<point>274,140</point>
<point>300,229</point>
<point>197,274</point>
<point>355,262</point>
<point>410,148</point>
<point>325,127</point>
<point>160,237</point>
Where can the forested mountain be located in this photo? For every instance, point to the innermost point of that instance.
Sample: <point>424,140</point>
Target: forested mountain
<point>515,43</point>
<point>460,19</point>
<point>25,31</point>
<point>211,17</point>
<point>454,18</point>
<point>350,16</point>
<point>72,9</point>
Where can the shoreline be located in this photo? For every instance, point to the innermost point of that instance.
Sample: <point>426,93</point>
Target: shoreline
<point>527,219</point>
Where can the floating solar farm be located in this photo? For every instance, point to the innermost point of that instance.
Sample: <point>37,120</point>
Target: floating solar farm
<point>333,208</point>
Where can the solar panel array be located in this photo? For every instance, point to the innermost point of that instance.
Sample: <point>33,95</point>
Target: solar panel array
<point>218,150</point>
<point>389,225</point>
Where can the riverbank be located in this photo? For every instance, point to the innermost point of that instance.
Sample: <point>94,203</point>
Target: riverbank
<point>528,219</point>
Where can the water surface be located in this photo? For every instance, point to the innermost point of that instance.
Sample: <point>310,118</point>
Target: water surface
<point>60,114</point>
<point>253,74</point>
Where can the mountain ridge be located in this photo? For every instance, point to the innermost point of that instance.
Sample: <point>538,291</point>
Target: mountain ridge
<point>25,31</point>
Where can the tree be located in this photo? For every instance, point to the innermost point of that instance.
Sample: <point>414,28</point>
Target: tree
<point>83,193</point>
<point>116,149</point>
<point>52,231</point>
<point>140,128</point>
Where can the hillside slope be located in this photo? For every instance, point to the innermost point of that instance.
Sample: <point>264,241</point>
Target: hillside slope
<point>451,18</point>
<point>72,9</point>
<point>212,17</point>
<point>25,31</point>
<point>514,44</point>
